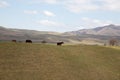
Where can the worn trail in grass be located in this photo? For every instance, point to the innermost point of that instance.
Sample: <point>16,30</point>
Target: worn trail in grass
<point>49,62</point>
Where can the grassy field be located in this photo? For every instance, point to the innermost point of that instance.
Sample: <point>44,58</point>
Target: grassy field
<point>20,61</point>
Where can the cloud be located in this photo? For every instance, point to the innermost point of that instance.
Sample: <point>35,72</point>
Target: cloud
<point>31,12</point>
<point>48,13</point>
<point>50,1</point>
<point>91,23</point>
<point>113,5</point>
<point>50,23</point>
<point>78,6</point>
<point>43,1</point>
<point>3,4</point>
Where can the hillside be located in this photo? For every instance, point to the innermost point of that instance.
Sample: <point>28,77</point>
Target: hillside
<point>50,62</point>
<point>22,35</point>
<point>97,35</point>
<point>108,30</point>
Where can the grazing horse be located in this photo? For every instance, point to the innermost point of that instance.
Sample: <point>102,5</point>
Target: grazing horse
<point>113,42</point>
<point>60,43</point>
<point>14,41</point>
<point>28,41</point>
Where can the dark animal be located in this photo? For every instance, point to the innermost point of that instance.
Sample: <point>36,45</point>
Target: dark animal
<point>14,41</point>
<point>113,42</point>
<point>43,41</point>
<point>60,43</point>
<point>28,41</point>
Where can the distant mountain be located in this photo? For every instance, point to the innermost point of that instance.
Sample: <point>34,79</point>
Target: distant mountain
<point>94,36</point>
<point>22,35</point>
<point>9,34</point>
<point>109,30</point>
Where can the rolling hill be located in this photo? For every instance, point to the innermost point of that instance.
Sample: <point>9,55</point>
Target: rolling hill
<point>108,30</point>
<point>22,34</point>
<point>99,35</point>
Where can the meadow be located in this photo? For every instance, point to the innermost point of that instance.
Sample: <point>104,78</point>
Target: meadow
<point>21,61</point>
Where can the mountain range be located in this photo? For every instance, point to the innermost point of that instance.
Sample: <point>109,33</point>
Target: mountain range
<point>108,30</point>
<point>99,35</point>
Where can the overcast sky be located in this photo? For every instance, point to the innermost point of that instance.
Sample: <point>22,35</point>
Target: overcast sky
<point>58,15</point>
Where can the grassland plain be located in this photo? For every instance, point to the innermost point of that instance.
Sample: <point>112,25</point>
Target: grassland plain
<point>20,61</point>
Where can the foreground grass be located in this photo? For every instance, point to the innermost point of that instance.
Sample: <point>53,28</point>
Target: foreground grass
<point>50,62</point>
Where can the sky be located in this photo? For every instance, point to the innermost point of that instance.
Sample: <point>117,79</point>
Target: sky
<point>58,15</point>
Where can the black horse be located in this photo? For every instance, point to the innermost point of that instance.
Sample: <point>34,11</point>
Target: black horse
<point>60,43</point>
<point>28,41</point>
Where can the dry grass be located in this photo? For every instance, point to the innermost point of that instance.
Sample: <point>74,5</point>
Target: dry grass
<point>19,61</point>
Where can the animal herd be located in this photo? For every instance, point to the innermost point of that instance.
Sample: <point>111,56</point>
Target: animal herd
<point>30,41</point>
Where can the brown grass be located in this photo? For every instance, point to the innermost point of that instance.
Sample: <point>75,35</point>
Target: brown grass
<point>19,61</point>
